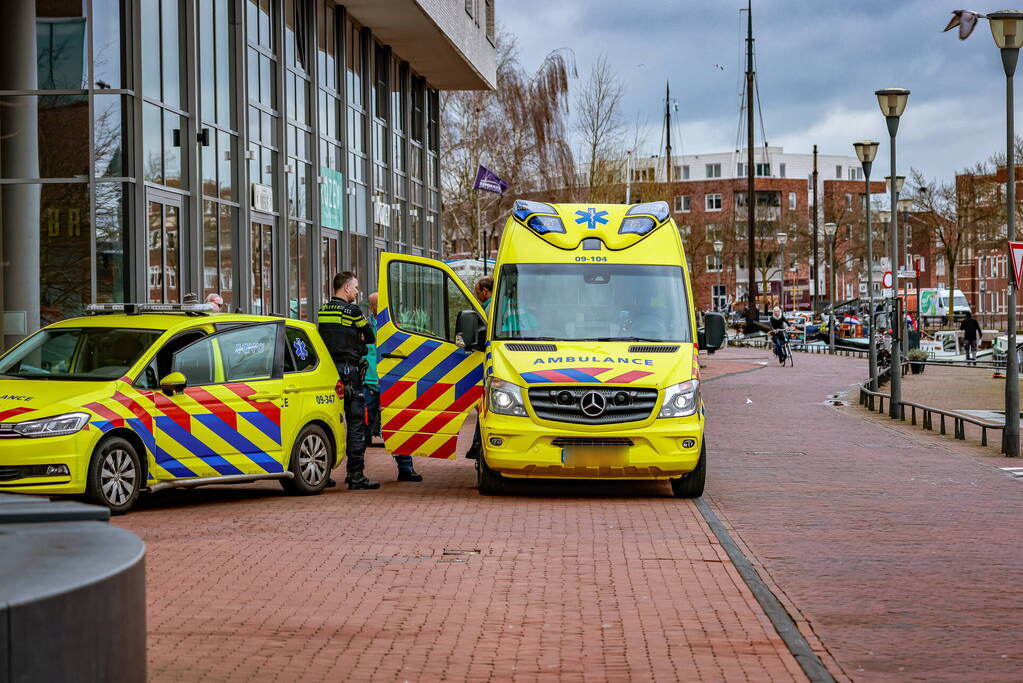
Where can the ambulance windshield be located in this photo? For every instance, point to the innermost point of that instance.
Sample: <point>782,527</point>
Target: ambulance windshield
<point>592,302</point>
<point>89,353</point>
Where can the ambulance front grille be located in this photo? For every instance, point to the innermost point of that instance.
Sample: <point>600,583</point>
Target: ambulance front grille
<point>563,404</point>
<point>653,349</point>
<point>532,348</point>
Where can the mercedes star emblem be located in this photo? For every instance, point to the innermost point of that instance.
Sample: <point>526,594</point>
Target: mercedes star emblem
<point>592,404</point>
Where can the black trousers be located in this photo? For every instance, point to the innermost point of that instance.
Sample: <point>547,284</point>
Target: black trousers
<point>355,419</point>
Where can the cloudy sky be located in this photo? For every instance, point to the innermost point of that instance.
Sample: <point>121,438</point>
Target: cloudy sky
<point>819,63</point>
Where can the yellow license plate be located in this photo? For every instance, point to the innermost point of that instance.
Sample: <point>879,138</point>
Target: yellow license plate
<point>595,456</point>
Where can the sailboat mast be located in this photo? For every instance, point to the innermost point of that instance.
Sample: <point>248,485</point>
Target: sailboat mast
<point>667,128</point>
<point>750,197</point>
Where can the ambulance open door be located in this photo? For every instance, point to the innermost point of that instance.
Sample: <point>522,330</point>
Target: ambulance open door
<point>428,384</point>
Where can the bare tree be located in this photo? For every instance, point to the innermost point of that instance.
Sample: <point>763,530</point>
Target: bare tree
<point>936,205</point>
<point>601,128</point>
<point>518,130</point>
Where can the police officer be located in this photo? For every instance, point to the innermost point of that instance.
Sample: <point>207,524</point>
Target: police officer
<point>347,332</point>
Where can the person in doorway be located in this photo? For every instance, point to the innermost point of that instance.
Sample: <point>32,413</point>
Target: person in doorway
<point>484,292</point>
<point>371,389</point>
<point>971,336</point>
<point>346,333</point>
<point>216,301</point>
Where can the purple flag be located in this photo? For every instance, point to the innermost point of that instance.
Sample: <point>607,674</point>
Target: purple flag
<point>487,180</point>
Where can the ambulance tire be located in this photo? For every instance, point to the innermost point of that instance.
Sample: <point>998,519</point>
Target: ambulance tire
<point>691,485</point>
<point>311,459</point>
<point>115,475</point>
<point>489,482</point>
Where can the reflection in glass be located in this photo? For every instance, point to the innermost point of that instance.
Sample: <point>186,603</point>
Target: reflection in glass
<point>107,56</point>
<point>225,160</point>
<point>170,51</point>
<point>225,75</point>
<point>61,56</point>
<point>172,257</point>
<point>207,70</point>
<point>209,166</point>
<point>226,255</point>
<point>111,241</point>
<point>108,127</point>
<point>210,257</point>
<point>152,143</point>
<point>61,142</point>
<point>150,17</point>
<point>65,250</point>
<point>154,245</point>
<point>171,152</point>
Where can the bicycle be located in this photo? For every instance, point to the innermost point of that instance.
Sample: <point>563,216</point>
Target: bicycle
<point>784,351</point>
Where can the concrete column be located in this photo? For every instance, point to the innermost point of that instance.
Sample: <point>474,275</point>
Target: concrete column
<point>19,158</point>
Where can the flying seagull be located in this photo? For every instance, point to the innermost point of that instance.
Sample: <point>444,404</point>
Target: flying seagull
<point>966,20</point>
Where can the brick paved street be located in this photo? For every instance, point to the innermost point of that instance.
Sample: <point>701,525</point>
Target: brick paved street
<point>896,545</point>
<point>434,582</point>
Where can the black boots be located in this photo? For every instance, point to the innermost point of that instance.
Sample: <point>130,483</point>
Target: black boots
<point>409,475</point>
<point>361,482</point>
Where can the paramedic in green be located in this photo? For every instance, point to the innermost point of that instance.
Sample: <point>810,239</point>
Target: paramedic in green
<point>371,390</point>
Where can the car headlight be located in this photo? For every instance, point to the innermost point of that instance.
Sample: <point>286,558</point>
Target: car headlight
<point>681,400</point>
<point>61,425</point>
<point>505,398</point>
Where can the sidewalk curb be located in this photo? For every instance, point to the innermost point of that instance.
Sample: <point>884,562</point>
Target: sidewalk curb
<point>733,374</point>
<point>788,631</point>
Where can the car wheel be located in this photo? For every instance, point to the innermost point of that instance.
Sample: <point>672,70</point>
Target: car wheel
<point>691,485</point>
<point>115,476</point>
<point>489,482</point>
<point>312,458</point>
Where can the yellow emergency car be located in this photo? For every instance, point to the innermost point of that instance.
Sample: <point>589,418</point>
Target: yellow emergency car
<point>136,398</point>
<point>584,366</point>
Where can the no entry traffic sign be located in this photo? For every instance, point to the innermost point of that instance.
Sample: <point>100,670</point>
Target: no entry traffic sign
<point>1016,258</point>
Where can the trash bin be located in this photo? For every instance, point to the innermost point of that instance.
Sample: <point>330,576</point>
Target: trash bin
<point>914,339</point>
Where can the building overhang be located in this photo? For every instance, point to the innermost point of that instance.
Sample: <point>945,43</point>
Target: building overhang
<point>444,46</point>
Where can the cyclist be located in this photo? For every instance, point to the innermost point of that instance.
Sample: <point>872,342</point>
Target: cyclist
<point>778,327</point>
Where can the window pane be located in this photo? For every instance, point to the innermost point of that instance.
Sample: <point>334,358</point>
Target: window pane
<point>170,43</point>
<point>207,70</point>
<point>225,157</point>
<point>108,126</point>
<point>457,302</point>
<point>267,275</point>
<point>53,129</point>
<point>172,128</point>
<point>155,248</point>
<point>107,16</point>
<point>195,362</point>
<point>226,256</point>
<point>111,239</point>
<point>171,237</point>
<point>225,75</point>
<point>61,46</point>
<point>210,257</point>
<point>152,145</point>
<point>417,298</point>
<point>150,16</point>
<point>65,250</point>
<point>301,355</point>
<point>209,166</point>
<point>248,352</point>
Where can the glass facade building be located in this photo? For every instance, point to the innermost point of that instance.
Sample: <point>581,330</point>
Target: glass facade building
<point>252,148</point>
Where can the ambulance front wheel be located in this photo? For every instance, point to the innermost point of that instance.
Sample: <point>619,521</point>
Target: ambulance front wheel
<point>115,475</point>
<point>489,482</point>
<point>691,485</point>
<point>311,460</point>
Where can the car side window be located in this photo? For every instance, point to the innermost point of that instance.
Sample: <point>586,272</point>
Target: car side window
<point>425,300</point>
<point>248,352</point>
<point>160,366</point>
<point>300,355</point>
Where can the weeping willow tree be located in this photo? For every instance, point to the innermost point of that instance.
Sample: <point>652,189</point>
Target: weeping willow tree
<point>518,131</point>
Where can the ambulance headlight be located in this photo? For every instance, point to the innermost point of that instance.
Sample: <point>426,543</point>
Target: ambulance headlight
<point>681,400</point>
<point>505,398</point>
<point>61,425</point>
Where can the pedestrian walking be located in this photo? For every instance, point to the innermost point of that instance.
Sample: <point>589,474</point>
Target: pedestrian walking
<point>346,333</point>
<point>971,336</point>
<point>371,389</point>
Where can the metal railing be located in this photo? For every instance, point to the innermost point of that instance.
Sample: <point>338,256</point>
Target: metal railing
<point>875,400</point>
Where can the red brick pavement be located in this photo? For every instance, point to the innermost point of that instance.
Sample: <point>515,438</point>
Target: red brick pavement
<point>897,549</point>
<point>432,582</point>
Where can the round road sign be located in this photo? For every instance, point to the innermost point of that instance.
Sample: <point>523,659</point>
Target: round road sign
<point>886,280</point>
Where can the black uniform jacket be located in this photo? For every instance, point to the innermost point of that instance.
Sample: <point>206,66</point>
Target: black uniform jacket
<point>345,331</point>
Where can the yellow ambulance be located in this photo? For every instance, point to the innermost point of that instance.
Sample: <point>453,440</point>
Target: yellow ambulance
<point>142,397</point>
<point>584,366</point>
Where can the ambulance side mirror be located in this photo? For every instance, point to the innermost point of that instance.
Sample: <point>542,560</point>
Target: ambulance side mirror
<point>713,331</point>
<point>173,383</point>
<point>470,331</point>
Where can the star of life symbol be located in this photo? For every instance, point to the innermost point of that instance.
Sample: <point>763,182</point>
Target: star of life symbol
<point>591,217</point>
<point>300,349</point>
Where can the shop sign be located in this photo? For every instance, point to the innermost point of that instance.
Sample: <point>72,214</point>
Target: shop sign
<point>332,193</point>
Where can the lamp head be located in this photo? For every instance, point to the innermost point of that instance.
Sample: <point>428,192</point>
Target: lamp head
<point>830,229</point>
<point>718,246</point>
<point>1007,28</point>
<point>866,151</point>
<point>892,101</point>
<point>900,180</point>
<point>782,238</point>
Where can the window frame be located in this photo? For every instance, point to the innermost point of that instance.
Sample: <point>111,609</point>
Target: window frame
<point>707,201</point>
<point>312,368</point>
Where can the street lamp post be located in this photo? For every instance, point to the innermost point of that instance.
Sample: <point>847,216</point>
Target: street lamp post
<point>783,237</point>
<point>718,247</point>
<point>866,151</point>
<point>1007,30</point>
<point>829,231</point>
<point>893,102</point>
